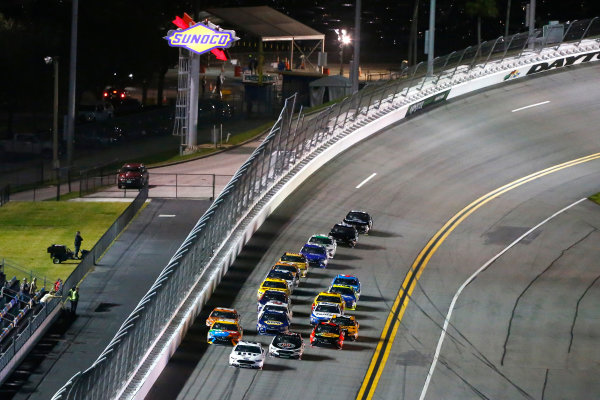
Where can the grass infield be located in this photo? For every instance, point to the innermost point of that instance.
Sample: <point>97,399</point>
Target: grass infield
<point>28,228</point>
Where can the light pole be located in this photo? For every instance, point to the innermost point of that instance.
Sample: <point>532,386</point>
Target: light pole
<point>55,161</point>
<point>344,39</point>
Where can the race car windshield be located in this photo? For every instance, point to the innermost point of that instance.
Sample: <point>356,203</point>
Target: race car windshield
<point>224,327</point>
<point>287,268</point>
<point>356,217</point>
<point>272,307</point>
<point>273,295</point>
<point>328,308</point>
<point>342,290</point>
<point>274,316</point>
<point>345,281</point>
<point>342,321</point>
<point>224,314</point>
<point>313,250</point>
<point>281,275</point>
<point>243,348</point>
<point>294,340</point>
<point>290,258</point>
<point>342,230</point>
<point>320,240</point>
<point>327,329</point>
<point>278,285</point>
<point>328,299</point>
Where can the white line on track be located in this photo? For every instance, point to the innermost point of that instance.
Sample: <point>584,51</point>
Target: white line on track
<point>532,105</point>
<point>487,264</point>
<point>366,180</point>
<point>166,216</point>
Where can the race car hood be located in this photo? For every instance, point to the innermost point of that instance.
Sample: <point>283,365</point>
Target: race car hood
<point>220,333</point>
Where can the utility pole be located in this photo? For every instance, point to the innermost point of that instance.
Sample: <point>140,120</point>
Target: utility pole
<point>356,64</point>
<point>55,162</point>
<point>72,81</point>
<point>431,37</point>
<point>507,19</point>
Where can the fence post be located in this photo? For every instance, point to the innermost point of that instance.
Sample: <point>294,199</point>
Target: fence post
<point>565,35</point>
<point>213,185</point>
<point>458,63</point>
<point>491,51</point>
<point>507,47</point>
<point>586,30</point>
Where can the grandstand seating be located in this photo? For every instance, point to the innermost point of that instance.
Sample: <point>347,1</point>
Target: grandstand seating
<point>13,311</point>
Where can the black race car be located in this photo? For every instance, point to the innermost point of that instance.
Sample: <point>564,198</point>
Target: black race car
<point>344,233</point>
<point>287,345</point>
<point>361,220</point>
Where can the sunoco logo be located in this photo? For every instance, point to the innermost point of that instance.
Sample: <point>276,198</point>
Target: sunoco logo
<point>200,38</point>
<point>513,74</point>
<point>564,62</point>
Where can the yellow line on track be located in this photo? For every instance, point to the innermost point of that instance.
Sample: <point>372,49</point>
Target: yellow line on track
<point>384,346</point>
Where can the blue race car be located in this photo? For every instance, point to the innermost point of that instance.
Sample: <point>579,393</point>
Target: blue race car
<point>349,280</point>
<point>347,293</point>
<point>323,312</point>
<point>272,322</point>
<point>315,254</point>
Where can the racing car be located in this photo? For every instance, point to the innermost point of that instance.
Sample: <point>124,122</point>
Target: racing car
<point>326,241</point>
<point>328,334</point>
<point>315,254</point>
<point>345,234</point>
<point>290,267</point>
<point>272,322</point>
<point>287,345</point>
<point>273,295</point>
<point>324,312</point>
<point>348,324</point>
<point>274,305</point>
<point>224,332</point>
<point>361,220</point>
<point>298,260</point>
<point>349,280</point>
<point>347,293</point>
<point>222,314</point>
<point>328,297</point>
<point>287,276</point>
<point>247,355</point>
<point>273,284</point>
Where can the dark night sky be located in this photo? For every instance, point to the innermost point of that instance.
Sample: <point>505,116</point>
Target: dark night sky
<point>127,35</point>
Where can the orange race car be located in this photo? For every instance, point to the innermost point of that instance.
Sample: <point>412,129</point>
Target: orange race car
<point>221,313</point>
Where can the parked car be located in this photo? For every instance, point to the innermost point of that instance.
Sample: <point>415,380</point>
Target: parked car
<point>133,175</point>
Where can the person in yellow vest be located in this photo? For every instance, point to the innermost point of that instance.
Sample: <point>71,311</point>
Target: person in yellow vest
<point>73,297</point>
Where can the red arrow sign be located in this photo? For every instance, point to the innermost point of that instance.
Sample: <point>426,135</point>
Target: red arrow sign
<point>220,54</point>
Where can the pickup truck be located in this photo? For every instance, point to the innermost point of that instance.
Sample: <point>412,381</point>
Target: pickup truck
<point>27,143</point>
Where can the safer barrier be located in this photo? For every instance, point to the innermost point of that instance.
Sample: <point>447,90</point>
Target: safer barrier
<point>287,152</point>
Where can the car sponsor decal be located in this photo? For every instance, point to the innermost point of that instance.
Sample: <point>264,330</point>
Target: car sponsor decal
<point>286,345</point>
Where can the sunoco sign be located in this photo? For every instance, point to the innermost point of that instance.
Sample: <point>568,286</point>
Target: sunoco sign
<point>200,38</point>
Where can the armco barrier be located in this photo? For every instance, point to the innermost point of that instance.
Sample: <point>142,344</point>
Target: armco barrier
<point>39,323</point>
<point>293,150</point>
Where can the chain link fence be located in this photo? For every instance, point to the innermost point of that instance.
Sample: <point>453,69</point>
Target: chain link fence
<point>290,144</point>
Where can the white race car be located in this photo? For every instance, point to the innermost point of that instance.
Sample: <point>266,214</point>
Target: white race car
<point>247,355</point>
<point>287,345</point>
<point>326,241</point>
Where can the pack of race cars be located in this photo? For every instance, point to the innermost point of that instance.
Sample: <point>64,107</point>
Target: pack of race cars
<point>331,325</point>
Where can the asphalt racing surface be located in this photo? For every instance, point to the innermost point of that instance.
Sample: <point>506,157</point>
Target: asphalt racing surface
<point>524,319</point>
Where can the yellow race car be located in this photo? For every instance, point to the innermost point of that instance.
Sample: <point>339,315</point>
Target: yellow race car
<point>299,260</point>
<point>273,284</point>
<point>349,325</point>
<point>328,297</point>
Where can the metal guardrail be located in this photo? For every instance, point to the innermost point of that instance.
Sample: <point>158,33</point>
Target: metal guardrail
<point>290,143</point>
<point>84,266</point>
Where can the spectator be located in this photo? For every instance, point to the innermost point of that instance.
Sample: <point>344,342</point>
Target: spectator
<point>58,285</point>
<point>78,240</point>
<point>33,287</point>
<point>203,84</point>
<point>46,298</point>
<point>74,299</point>
<point>219,84</point>
<point>23,290</point>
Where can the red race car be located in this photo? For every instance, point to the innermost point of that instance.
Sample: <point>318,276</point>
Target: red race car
<point>327,334</point>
